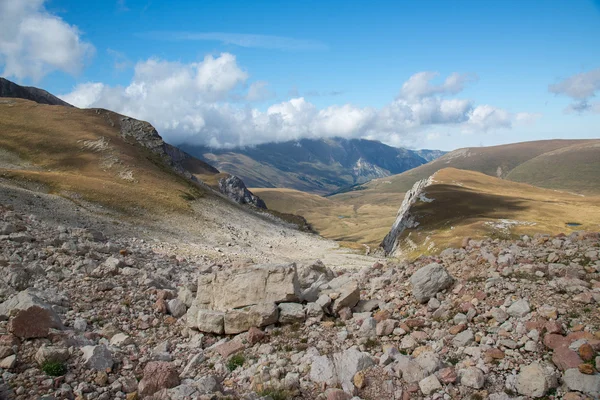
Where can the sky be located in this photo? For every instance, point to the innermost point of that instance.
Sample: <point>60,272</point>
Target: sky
<point>416,74</point>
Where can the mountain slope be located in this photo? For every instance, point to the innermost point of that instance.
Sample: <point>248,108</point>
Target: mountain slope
<point>313,165</point>
<point>11,89</point>
<point>458,204</point>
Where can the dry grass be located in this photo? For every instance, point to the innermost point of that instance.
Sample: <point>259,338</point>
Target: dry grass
<point>82,152</point>
<point>470,204</point>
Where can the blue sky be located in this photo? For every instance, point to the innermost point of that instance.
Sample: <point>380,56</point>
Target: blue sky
<point>240,72</point>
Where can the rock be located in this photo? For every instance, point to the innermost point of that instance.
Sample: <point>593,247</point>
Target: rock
<point>586,352</point>
<point>227,289</point>
<point>337,394</point>
<point>234,188</point>
<point>121,339</point>
<point>463,339</point>
<point>534,381</point>
<point>237,321</point>
<point>359,380</point>
<point>229,348</point>
<point>8,362</point>
<point>291,312</point>
<point>349,297</point>
<point>98,357</point>
<point>255,335</point>
<point>586,369</point>
<point>447,375</point>
<point>190,368</point>
<point>80,325</point>
<point>348,364</point>
<point>472,377</point>
<point>176,308</point>
<point>565,358</point>
<point>429,385</point>
<point>588,384</point>
<point>322,370</point>
<point>411,370</point>
<point>368,327</point>
<point>207,384</point>
<point>32,317</point>
<point>51,354</point>
<point>519,308</point>
<point>206,320</point>
<point>385,327</point>
<point>158,375</point>
<point>430,280</point>
<point>428,361</point>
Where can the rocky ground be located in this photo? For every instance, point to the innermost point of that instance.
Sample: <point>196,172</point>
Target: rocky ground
<point>86,316</point>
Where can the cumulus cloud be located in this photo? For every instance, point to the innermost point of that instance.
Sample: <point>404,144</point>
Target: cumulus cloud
<point>581,88</point>
<point>34,42</point>
<point>210,103</point>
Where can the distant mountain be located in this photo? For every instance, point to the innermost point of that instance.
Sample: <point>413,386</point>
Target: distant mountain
<point>313,165</point>
<point>11,89</point>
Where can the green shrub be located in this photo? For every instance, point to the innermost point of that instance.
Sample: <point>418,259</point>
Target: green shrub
<point>275,394</point>
<point>54,368</point>
<point>235,361</point>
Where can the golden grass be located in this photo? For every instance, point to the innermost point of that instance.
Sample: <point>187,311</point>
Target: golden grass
<point>118,174</point>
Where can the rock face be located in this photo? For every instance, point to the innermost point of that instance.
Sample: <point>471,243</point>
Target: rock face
<point>430,280</point>
<point>404,219</point>
<point>234,188</point>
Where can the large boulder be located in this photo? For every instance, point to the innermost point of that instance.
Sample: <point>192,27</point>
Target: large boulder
<point>206,320</point>
<point>226,290</point>
<point>430,280</point>
<point>234,188</point>
<point>98,357</point>
<point>588,384</point>
<point>31,317</point>
<point>158,375</point>
<point>534,381</point>
<point>340,369</point>
<point>241,320</point>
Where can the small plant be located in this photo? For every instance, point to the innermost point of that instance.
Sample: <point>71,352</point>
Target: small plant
<point>275,394</point>
<point>276,332</point>
<point>288,348</point>
<point>235,361</point>
<point>371,343</point>
<point>54,368</point>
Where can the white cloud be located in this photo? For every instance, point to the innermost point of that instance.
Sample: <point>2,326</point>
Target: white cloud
<point>259,91</point>
<point>580,87</point>
<point>199,103</point>
<point>34,42</point>
<point>419,85</point>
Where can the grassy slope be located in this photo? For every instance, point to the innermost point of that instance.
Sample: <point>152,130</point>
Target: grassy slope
<point>367,223</point>
<point>574,168</point>
<point>465,200</point>
<point>82,152</point>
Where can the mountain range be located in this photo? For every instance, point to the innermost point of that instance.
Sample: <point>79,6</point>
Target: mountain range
<point>318,166</point>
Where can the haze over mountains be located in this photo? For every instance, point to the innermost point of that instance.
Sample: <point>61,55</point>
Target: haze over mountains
<point>317,166</point>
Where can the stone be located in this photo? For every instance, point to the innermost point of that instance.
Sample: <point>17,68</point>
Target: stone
<point>348,364</point>
<point>428,361</point>
<point>51,354</point>
<point>349,296</point>
<point>158,375</point>
<point>190,368</point>
<point>359,380</point>
<point>176,308</point>
<point>565,358</point>
<point>229,348</point>
<point>291,312</point>
<point>430,280</point>
<point>588,384</point>
<point>368,328</point>
<point>472,377</point>
<point>499,314</point>
<point>533,381</point>
<point>230,289</point>
<point>429,385</point>
<point>411,370</point>
<point>519,308</point>
<point>386,327</point>
<point>586,352</point>
<point>98,357</point>
<point>259,315</point>
<point>337,394</point>
<point>80,325</point>
<point>586,369</point>
<point>121,339</point>
<point>255,335</point>
<point>32,318</point>
<point>8,362</point>
<point>463,339</point>
<point>322,370</point>
<point>206,320</point>
<point>447,375</point>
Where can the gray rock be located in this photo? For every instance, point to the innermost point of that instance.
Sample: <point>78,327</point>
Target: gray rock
<point>463,339</point>
<point>234,188</point>
<point>98,357</point>
<point>25,300</point>
<point>232,289</point>
<point>588,384</point>
<point>322,370</point>
<point>206,320</point>
<point>368,327</point>
<point>430,280</point>
<point>347,364</point>
<point>411,370</point>
<point>80,325</point>
<point>429,385</point>
<point>190,368</point>
<point>519,308</point>
<point>534,381</point>
<point>51,354</point>
<point>207,384</point>
<point>291,312</point>
<point>176,307</point>
<point>237,321</point>
<point>349,296</point>
<point>472,377</point>
<point>429,361</point>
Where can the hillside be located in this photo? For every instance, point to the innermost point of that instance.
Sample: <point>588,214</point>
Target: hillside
<point>313,165</point>
<point>459,204</point>
<point>11,89</point>
<point>499,161</point>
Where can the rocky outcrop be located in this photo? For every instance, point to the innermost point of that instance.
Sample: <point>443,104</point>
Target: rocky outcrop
<point>234,188</point>
<point>11,89</point>
<point>404,218</point>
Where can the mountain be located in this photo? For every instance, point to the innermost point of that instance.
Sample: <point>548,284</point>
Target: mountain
<point>11,89</point>
<point>313,165</point>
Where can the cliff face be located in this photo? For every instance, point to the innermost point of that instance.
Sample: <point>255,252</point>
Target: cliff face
<point>405,219</point>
